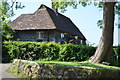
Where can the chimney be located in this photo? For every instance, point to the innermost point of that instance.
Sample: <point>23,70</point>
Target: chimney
<point>53,6</point>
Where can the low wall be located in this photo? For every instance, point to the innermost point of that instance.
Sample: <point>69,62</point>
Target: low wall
<point>42,70</point>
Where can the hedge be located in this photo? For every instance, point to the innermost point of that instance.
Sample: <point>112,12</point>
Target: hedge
<point>47,51</point>
<point>52,51</point>
<point>115,59</point>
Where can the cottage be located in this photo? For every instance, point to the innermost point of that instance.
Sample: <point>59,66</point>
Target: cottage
<point>47,25</point>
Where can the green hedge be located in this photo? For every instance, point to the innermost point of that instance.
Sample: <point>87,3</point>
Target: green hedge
<point>118,51</point>
<point>69,52</point>
<point>47,51</point>
<point>52,51</point>
<point>115,59</point>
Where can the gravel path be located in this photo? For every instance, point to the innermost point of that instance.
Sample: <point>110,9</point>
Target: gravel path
<point>4,75</point>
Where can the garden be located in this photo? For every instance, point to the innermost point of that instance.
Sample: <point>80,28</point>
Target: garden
<point>51,57</point>
<point>45,60</point>
<point>54,60</point>
<point>52,52</point>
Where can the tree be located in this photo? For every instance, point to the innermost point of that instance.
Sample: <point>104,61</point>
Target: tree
<point>104,50</point>
<point>6,32</point>
<point>6,11</point>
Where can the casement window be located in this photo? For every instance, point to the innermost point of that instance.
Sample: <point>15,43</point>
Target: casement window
<point>40,35</point>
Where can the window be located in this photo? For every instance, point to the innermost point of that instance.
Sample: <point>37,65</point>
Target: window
<point>40,35</point>
<point>62,35</point>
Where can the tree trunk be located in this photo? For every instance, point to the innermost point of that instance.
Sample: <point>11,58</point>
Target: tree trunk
<point>104,50</point>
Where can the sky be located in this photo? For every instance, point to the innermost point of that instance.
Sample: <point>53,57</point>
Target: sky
<point>85,18</point>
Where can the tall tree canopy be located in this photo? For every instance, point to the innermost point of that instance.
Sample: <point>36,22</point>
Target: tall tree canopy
<point>104,50</point>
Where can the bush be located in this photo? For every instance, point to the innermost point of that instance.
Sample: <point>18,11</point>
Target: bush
<point>118,51</point>
<point>47,51</point>
<point>70,52</point>
<point>115,60</point>
<point>52,51</point>
<point>7,32</point>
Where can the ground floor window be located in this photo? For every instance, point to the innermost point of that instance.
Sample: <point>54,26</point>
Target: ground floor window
<point>40,36</point>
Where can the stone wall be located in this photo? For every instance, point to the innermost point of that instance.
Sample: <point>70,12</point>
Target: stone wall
<point>41,70</point>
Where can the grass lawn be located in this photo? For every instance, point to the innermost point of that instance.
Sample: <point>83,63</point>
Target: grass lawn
<point>82,64</point>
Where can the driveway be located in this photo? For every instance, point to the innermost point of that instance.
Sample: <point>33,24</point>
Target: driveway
<point>4,75</point>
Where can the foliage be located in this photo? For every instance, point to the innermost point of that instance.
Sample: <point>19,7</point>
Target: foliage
<point>52,51</point>
<point>99,23</point>
<point>62,5</point>
<point>118,56</point>
<point>7,32</point>
<point>70,52</point>
<point>47,51</point>
<point>6,35</point>
<point>6,11</point>
<point>6,8</point>
<point>115,60</point>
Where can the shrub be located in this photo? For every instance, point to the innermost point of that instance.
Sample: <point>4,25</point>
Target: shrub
<point>7,32</point>
<point>115,60</point>
<point>118,55</point>
<point>70,52</point>
<point>47,51</point>
<point>52,51</point>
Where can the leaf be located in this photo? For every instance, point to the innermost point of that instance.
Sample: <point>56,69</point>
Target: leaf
<point>99,23</point>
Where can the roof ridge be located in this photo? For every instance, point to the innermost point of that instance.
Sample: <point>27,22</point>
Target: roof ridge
<point>54,11</point>
<point>44,6</point>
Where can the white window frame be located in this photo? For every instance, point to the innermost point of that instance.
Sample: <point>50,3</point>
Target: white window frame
<point>62,35</point>
<point>40,35</point>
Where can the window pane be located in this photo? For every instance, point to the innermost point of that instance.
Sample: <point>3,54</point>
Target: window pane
<point>40,35</point>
